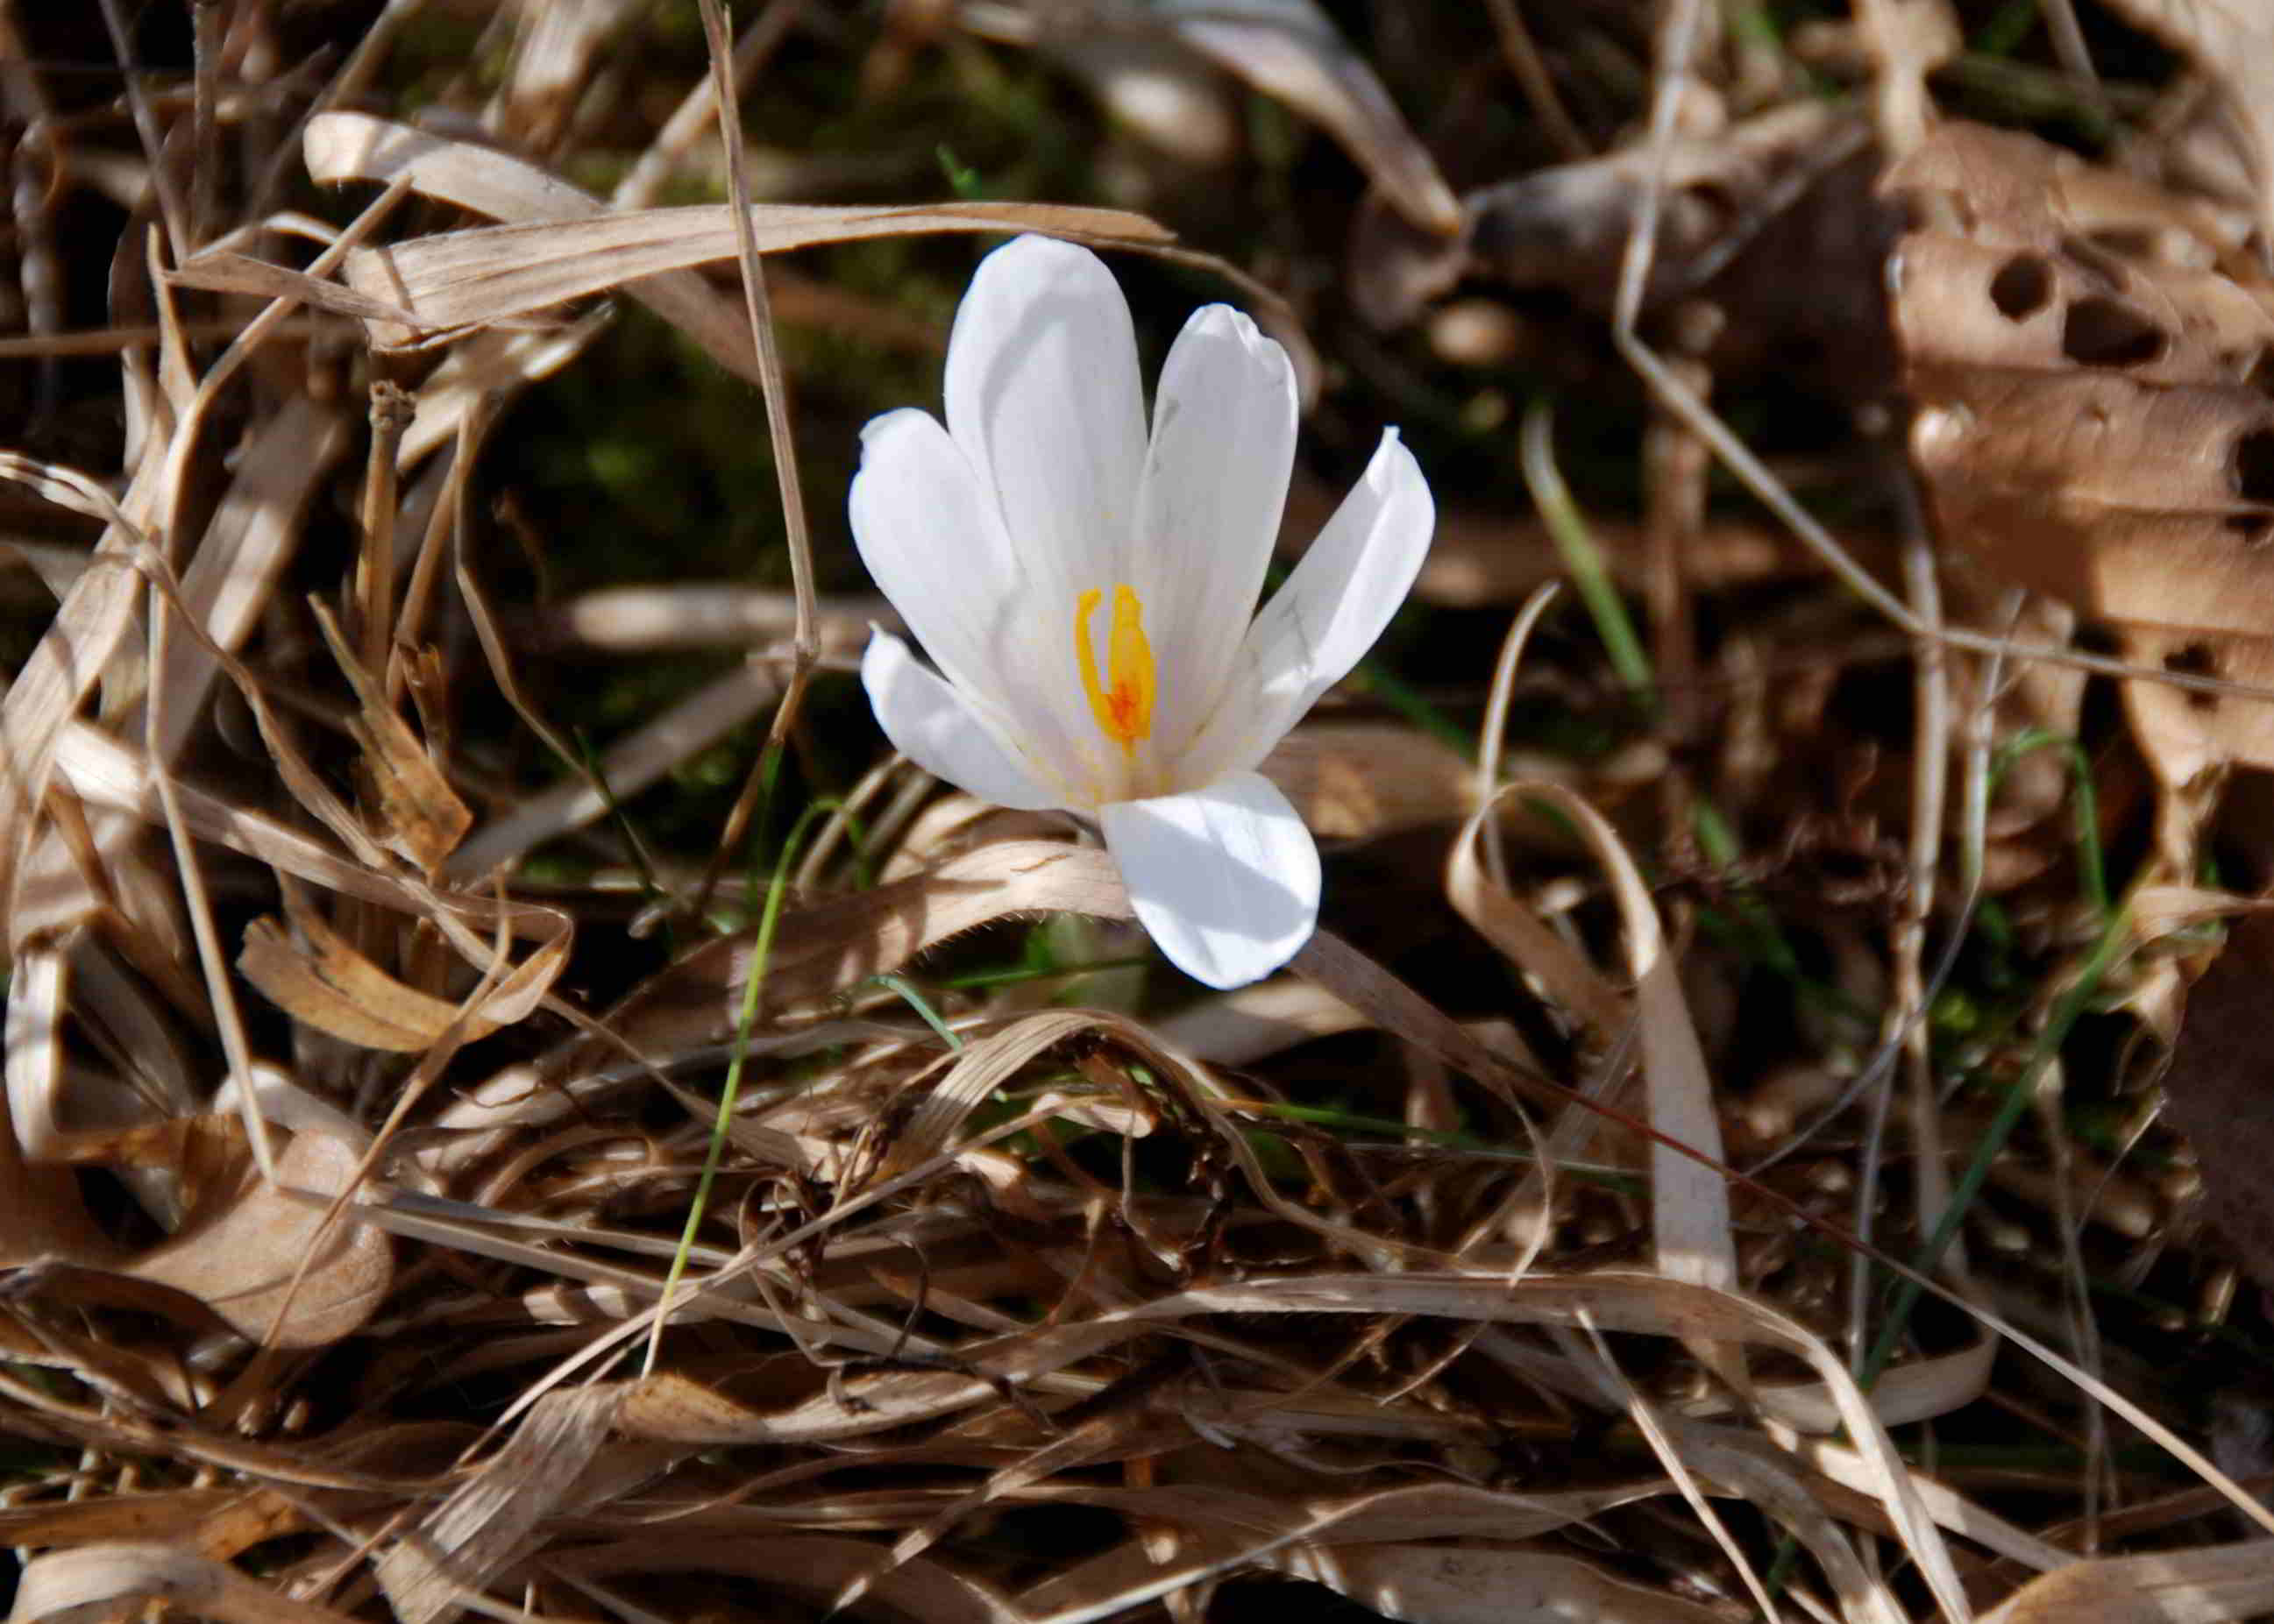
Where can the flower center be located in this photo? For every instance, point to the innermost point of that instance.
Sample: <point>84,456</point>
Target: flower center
<point>1123,704</point>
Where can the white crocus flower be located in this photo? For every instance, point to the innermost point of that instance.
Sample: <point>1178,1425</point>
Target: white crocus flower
<point>1088,589</point>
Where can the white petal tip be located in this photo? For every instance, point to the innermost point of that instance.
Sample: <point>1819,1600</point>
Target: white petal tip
<point>1224,879</point>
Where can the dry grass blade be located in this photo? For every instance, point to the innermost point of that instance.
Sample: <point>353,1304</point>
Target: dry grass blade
<point>1446,1586</point>
<point>77,648</point>
<point>465,1541</point>
<point>66,1584</point>
<point>626,767</point>
<point>1520,933</point>
<point>223,271</point>
<point>2206,1586</point>
<point>497,273</point>
<point>1691,1203</point>
<point>342,146</point>
<point>1644,1303</point>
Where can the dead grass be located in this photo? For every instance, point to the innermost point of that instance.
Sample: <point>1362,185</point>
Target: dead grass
<point>520,1108</point>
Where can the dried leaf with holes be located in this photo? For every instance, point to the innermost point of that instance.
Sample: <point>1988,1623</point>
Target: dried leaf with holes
<point>2089,420</point>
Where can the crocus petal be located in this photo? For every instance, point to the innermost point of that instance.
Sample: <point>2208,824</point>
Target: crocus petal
<point>1225,878</point>
<point>935,725</point>
<point>1326,615</point>
<point>1044,396</point>
<point>1215,480</point>
<point>932,538</point>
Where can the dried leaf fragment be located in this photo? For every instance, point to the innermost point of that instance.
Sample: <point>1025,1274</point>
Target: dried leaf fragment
<point>265,1252</point>
<point>334,989</point>
<point>420,815</point>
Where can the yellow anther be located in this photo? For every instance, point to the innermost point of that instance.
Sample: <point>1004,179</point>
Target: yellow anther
<point>1125,709</point>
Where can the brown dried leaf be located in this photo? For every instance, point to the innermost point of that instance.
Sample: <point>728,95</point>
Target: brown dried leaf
<point>174,1514</point>
<point>265,1251</point>
<point>668,1408</point>
<point>2088,425</point>
<point>1289,49</point>
<point>1567,225</point>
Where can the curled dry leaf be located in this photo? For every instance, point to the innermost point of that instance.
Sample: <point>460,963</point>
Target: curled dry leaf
<point>1239,1028</point>
<point>1289,49</point>
<point>266,1261</point>
<point>2089,424</point>
<point>1689,1202</point>
<point>328,985</point>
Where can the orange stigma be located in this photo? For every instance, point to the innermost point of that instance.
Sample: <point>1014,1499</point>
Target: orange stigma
<point>1123,705</point>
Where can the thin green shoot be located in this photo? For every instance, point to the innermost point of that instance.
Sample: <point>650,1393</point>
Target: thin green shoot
<point>963,179</point>
<point>1567,527</point>
<point>753,985</point>
<point>1452,1139</point>
<point>2092,869</point>
<point>921,1005</point>
<point>1021,974</point>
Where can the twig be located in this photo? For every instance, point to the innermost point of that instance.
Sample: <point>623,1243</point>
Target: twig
<point>805,645</point>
